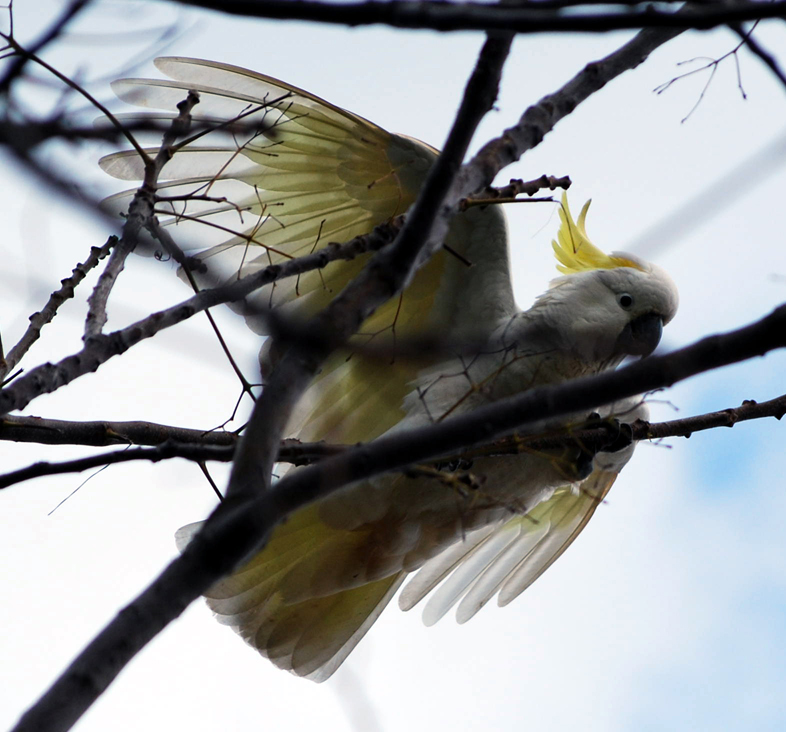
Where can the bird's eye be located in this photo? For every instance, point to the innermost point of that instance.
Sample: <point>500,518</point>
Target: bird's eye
<point>625,300</point>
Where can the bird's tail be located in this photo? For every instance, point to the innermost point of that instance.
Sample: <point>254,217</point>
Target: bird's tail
<point>294,602</point>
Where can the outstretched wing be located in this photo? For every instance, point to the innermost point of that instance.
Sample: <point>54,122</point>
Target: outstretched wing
<point>298,173</point>
<point>275,604</point>
<point>505,559</point>
<point>273,173</point>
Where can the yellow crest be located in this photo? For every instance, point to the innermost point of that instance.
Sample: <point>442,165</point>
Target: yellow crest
<point>573,249</point>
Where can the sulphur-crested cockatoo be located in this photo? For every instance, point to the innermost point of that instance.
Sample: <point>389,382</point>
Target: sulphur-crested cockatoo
<point>298,173</point>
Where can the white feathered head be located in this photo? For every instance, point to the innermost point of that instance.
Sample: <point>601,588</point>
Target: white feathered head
<point>607,306</point>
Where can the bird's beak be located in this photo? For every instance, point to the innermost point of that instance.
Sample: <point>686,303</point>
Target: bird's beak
<point>641,336</point>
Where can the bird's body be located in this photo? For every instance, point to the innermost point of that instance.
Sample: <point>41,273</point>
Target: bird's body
<point>308,174</point>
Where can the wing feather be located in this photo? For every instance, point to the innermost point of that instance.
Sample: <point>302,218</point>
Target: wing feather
<point>487,582</point>
<point>436,569</point>
<point>571,516</point>
<point>486,555</point>
<point>299,173</point>
<point>506,558</point>
<point>278,602</point>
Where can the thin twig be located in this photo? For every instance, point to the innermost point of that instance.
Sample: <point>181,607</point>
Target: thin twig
<point>162,236</point>
<point>30,55</point>
<point>140,215</point>
<point>57,28</point>
<point>50,377</point>
<point>165,451</point>
<point>516,187</point>
<point>712,64</point>
<point>56,299</point>
<point>758,50</point>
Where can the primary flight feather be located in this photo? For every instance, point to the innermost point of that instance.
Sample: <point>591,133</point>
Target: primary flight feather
<point>281,173</point>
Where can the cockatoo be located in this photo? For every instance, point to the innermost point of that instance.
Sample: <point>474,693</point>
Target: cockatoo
<point>289,173</point>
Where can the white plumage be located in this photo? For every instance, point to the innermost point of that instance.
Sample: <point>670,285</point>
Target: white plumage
<point>299,173</point>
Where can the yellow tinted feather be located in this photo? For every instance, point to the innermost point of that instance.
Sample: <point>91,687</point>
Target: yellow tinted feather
<point>296,176</point>
<point>573,249</point>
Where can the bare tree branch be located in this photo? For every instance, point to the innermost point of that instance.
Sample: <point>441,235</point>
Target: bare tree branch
<point>57,28</point>
<point>724,418</point>
<point>165,451</point>
<point>24,55</point>
<point>520,18</point>
<point>758,50</point>
<point>49,377</point>
<point>56,299</point>
<point>516,187</point>
<point>140,216</point>
<point>105,433</point>
<point>608,435</point>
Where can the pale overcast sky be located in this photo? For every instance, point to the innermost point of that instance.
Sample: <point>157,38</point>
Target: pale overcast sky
<point>668,613</point>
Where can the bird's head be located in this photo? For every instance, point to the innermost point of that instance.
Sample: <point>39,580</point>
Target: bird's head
<point>608,306</point>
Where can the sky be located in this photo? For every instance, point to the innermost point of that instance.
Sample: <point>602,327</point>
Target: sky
<point>668,613</point>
